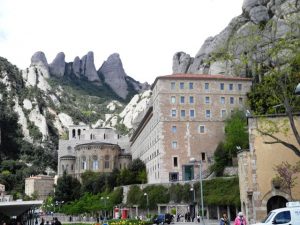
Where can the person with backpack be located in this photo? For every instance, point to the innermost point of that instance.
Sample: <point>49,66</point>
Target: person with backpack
<point>224,220</point>
<point>240,219</point>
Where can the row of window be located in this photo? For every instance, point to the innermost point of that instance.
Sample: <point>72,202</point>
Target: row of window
<point>201,128</point>
<point>192,113</point>
<point>190,86</point>
<point>207,100</point>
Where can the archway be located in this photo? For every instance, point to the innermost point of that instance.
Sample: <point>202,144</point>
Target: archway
<point>276,202</point>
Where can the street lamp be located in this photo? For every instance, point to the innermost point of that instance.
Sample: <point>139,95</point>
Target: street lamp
<point>201,186</point>
<point>145,194</point>
<point>193,190</point>
<point>105,198</point>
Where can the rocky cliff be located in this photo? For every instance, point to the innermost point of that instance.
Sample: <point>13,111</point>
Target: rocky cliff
<point>246,39</point>
<point>111,73</point>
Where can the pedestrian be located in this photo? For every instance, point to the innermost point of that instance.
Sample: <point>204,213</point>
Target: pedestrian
<point>42,222</point>
<point>224,220</point>
<point>198,218</point>
<point>56,221</point>
<point>240,219</point>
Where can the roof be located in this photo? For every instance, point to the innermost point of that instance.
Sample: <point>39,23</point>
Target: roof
<point>16,208</point>
<point>189,76</point>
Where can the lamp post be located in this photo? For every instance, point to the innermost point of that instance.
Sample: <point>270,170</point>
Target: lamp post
<point>145,194</point>
<point>193,190</point>
<point>105,198</point>
<point>201,185</point>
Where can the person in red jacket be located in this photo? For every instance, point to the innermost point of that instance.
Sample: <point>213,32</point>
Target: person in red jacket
<point>240,219</point>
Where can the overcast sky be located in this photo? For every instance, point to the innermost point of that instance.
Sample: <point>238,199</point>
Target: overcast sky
<point>146,33</point>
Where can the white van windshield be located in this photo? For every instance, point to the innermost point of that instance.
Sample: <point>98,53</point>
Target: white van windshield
<point>268,217</point>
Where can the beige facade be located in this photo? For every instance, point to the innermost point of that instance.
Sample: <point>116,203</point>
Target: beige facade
<point>41,185</point>
<point>256,168</point>
<point>185,120</point>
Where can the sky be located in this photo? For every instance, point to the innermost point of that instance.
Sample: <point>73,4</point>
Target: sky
<point>146,33</point>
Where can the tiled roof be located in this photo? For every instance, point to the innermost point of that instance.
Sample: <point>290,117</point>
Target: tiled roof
<point>182,76</point>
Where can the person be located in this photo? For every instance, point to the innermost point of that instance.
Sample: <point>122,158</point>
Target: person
<point>56,221</point>
<point>97,222</point>
<point>224,220</point>
<point>42,222</point>
<point>198,218</point>
<point>240,219</point>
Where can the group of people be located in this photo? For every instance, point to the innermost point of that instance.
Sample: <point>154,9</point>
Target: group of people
<point>54,222</point>
<point>239,220</point>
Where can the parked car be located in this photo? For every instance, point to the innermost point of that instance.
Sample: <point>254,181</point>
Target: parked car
<point>163,218</point>
<point>290,215</point>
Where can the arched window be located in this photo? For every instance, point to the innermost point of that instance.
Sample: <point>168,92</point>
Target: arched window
<point>95,163</point>
<point>106,162</point>
<point>63,167</point>
<point>73,133</point>
<point>83,162</point>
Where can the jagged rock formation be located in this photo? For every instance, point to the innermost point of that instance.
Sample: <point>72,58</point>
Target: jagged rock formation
<point>112,71</point>
<point>88,68</point>
<point>57,67</point>
<point>114,75</point>
<point>249,35</point>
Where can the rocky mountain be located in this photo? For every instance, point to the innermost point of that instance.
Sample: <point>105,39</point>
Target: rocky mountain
<point>111,73</point>
<point>246,41</point>
<point>46,99</point>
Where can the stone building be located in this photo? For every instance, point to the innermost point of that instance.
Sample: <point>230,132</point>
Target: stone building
<point>98,150</point>
<point>41,185</point>
<point>3,196</point>
<point>184,120</point>
<point>259,194</point>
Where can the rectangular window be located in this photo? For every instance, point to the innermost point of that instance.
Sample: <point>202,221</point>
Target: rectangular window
<point>182,113</point>
<point>174,129</point>
<point>174,144</point>
<point>222,100</point>
<point>202,129</point>
<point>181,85</point>
<point>240,100</point>
<point>230,87</point>
<point>173,177</point>
<point>173,112</point>
<point>182,99</point>
<point>206,86</point>
<point>207,113</point>
<point>173,99</point>
<point>191,99</point>
<point>223,113</point>
<point>207,100</point>
<point>106,164</point>
<point>239,87</point>
<point>192,113</point>
<point>203,156</point>
<point>221,86</point>
<point>231,100</point>
<point>191,85</point>
<point>173,85</point>
<point>175,161</point>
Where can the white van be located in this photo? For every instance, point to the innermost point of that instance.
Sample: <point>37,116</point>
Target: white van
<point>283,216</point>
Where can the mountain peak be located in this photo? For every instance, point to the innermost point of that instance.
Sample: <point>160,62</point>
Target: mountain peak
<point>114,75</point>
<point>57,67</point>
<point>39,59</point>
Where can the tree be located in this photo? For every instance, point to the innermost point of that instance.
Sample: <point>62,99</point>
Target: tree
<point>286,176</point>
<point>236,136</point>
<point>67,189</point>
<point>221,160</point>
<point>236,133</point>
